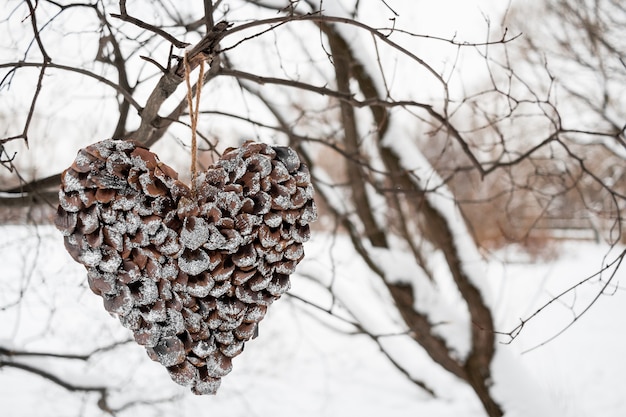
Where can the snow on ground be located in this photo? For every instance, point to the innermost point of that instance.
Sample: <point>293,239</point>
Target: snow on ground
<point>581,370</point>
<point>305,362</point>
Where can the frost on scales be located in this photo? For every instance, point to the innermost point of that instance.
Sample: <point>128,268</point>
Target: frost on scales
<point>190,276</point>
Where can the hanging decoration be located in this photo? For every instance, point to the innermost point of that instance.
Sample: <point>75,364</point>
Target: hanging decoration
<point>190,275</point>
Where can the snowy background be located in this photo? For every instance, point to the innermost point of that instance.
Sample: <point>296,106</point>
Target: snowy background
<point>310,359</point>
<point>306,362</point>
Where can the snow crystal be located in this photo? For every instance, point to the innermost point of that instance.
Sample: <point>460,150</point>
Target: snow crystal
<point>201,290</point>
<point>290,216</point>
<point>230,202</point>
<point>236,166</point>
<point>132,320</point>
<point>266,183</point>
<point>241,277</point>
<point>233,240</point>
<point>281,202</point>
<point>245,223</point>
<point>248,296</point>
<point>156,313</point>
<point>225,338</point>
<point>309,191</point>
<point>255,313</point>
<point>245,257</point>
<point>218,365</point>
<point>259,282</point>
<point>171,246</point>
<point>123,145</point>
<point>272,219</point>
<point>225,223</point>
<point>302,177</point>
<point>230,324</point>
<point>69,203</point>
<point>184,374</point>
<point>233,349</point>
<point>90,257</point>
<point>104,147</point>
<point>108,215</point>
<point>183,298</point>
<point>215,176</point>
<point>165,290</point>
<point>160,235</point>
<point>175,323</point>
<point>111,260</point>
<point>285,234</point>
<point>113,238</point>
<point>146,182</point>
<point>309,214</point>
<point>286,268</point>
<point>204,348</point>
<point>220,289</point>
<point>123,203</point>
<point>265,268</point>
<point>222,273</point>
<point>132,222</point>
<point>147,292</point>
<point>83,160</point>
<point>89,220</point>
<point>118,160</point>
<point>272,256</point>
<point>294,252</point>
<point>169,271</point>
<point>288,157</point>
<point>245,331</point>
<point>139,163</point>
<point>268,238</point>
<point>120,304</point>
<point>195,232</point>
<point>279,285</point>
<point>214,320</point>
<point>290,186</point>
<point>194,262</point>
<point>262,203</point>
<point>259,163</point>
<point>170,351</point>
<point>158,205</point>
<point>207,386</point>
<point>279,173</point>
<point>108,181</point>
<point>193,321</point>
<point>101,283</point>
<point>148,336</point>
<point>178,189</point>
<point>71,181</point>
<point>133,272</point>
<point>150,224</point>
<point>229,308</point>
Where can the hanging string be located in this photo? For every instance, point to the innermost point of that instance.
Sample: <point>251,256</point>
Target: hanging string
<point>193,115</point>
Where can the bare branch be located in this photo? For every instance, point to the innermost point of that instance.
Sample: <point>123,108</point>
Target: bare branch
<point>126,94</point>
<point>151,122</point>
<point>515,332</point>
<point>53,378</point>
<point>123,15</point>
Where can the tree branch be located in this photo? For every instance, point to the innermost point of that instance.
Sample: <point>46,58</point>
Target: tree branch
<point>169,82</point>
<point>53,378</point>
<point>123,15</point>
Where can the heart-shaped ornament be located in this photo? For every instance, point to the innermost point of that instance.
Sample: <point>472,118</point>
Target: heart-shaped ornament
<point>190,271</point>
